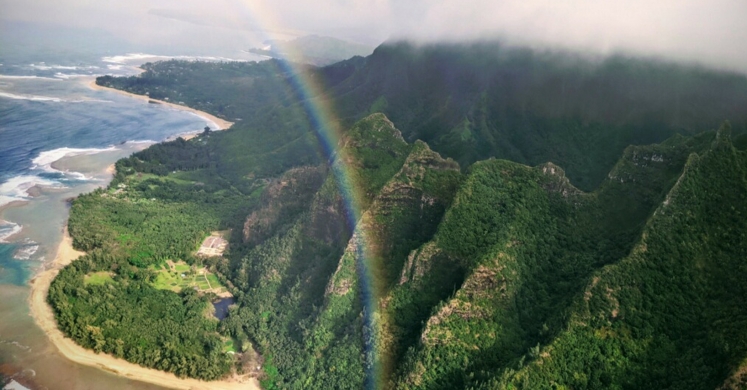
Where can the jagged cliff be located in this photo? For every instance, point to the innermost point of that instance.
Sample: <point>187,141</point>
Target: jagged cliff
<point>574,241</point>
<point>476,274</point>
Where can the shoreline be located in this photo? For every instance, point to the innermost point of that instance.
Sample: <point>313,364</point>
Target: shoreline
<point>221,123</point>
<point>43,315</point>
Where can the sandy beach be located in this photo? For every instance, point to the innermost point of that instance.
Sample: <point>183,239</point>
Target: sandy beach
<point>222,123</point>
<point>44,317</point>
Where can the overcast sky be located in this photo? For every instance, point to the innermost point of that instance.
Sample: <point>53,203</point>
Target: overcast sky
<point>712,32</point>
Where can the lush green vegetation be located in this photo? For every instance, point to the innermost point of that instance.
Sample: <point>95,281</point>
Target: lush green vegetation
<point>484,273</point>
<point>98,278</point>
<point>472,102</point>
<point>150,219</point>
<point>195,84</point>
<point>671,314</point>
<point>133,320</point>
<point>119,299</point>
<point>182,276</point>
<point>529,242</point>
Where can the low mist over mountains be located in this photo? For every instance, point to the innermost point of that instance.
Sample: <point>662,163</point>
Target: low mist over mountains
<point>531,219</point>
<point>482,100</point>
<point>313,49</point>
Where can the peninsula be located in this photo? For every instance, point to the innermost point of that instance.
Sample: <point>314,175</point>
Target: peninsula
<point>438,216</point>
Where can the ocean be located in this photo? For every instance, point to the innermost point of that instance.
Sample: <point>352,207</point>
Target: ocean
<point>57,138</point>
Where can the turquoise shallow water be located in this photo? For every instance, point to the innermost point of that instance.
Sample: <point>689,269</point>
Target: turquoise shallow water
<point>12,271</point>
<point>57,136</point>
<point>53,150</point>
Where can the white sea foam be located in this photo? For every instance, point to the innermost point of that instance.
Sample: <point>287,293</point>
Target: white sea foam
<point>88,100</point>
<point>141,141</point>
<point>143,57</point>
<point>28,249</point>
<point>78,176</point>
<point>20,346</point>
<point>7,199</point>
<point>35,98</point>
<point>67,76</point>
<point>12,77</point>
<point>45,160</point>
<point>38,98</point>
<point>123,59</point>
<point>17,187</point>
<point>44,66</point>
<point>8,229</point>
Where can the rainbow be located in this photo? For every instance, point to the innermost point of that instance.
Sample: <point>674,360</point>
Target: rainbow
<point>327,129</point>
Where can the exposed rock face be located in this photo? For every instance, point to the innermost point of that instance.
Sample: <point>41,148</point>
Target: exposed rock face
<point>282,198</point>
<point>419,262</point>
<point>327,219</point>
<point>559,182</point>
<point>477,265</point>
<point>736,381</point>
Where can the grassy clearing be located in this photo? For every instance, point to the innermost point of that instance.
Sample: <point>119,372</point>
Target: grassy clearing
<point>140,177</point>
<point>213,280</point>
<point>177,276</point>
<point>98,278</point>
<point>229,346</point>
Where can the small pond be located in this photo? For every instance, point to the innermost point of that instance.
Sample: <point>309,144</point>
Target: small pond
<point>221,307</point>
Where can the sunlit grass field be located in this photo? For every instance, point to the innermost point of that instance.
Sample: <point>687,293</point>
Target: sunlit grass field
<point>177,276</point>
<point>99,278</point>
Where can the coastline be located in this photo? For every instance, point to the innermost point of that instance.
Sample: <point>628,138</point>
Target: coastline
<point>43,315</point>
<point>222,123</point>
<point>44,318</point>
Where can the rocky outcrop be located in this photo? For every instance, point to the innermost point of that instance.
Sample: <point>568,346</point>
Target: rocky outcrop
<point>283,198</point>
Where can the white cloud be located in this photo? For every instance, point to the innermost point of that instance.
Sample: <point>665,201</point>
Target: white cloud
<point>713,32</point>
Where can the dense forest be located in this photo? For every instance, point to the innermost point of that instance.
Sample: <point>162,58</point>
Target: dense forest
<point>129,230</point>
<point>524,220</point>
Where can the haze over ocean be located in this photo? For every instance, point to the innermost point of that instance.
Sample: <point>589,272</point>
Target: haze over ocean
<point>57,137</point>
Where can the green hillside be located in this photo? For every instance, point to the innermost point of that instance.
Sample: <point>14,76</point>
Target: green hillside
<point>518,234</point>
<point>671,314</point>
<point>475,101</point>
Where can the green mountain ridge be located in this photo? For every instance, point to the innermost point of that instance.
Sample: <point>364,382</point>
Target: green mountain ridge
<point>690,343</point>
<point>485,272</point>
<point>544,242</point>
<point>475,101</point>
<point>468,102</point>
